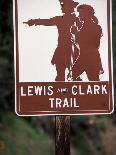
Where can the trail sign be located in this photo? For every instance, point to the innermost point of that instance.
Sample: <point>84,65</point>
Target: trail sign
<point>63,57</point>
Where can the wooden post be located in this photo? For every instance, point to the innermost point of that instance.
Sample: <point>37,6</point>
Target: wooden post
<point>62,127</point>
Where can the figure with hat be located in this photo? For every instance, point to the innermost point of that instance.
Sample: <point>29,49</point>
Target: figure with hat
<point>88,36</point>
<point>62,55</point>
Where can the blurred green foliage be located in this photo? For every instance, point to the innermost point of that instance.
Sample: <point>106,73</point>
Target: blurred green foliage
<point>6,56</point>
<point>114,37</point>
<point>19,138</point>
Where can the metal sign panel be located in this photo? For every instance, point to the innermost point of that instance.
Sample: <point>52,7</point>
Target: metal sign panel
<point>63,57</point>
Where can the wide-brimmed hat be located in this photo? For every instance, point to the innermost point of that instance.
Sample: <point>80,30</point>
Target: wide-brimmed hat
<point>69,2</point>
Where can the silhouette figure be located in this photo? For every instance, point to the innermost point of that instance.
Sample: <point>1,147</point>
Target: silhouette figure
<point>62,54</point>
<point>88,35</point>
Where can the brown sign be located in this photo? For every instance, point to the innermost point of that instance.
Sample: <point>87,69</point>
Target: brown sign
<point>63,57</point>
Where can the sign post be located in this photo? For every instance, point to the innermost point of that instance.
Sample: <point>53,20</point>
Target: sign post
<point>63,61</point>
<point>62,145</point>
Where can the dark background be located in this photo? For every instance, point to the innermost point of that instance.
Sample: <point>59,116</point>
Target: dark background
<point>90,135</point>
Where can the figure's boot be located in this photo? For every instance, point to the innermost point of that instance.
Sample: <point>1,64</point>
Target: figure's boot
<point>77,79</point>
<point>59,78</point>
<point>60,73</point>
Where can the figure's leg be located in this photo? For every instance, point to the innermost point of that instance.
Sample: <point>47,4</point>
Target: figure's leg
<point>93,75</point>
<point>60,72</point>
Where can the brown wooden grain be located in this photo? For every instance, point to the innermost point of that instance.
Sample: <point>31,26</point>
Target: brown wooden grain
<point>62,127</point>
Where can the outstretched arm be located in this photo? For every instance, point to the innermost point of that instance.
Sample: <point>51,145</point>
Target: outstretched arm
<point>46,22</point>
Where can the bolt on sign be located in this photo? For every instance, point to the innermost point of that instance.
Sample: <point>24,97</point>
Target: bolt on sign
<point>63,57</point>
